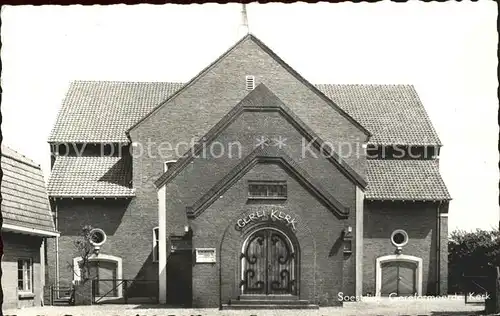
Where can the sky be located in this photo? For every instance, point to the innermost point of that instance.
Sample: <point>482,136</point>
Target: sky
<point>448,51</point>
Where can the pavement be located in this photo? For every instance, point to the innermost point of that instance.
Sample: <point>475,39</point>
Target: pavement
<point>453,306</point>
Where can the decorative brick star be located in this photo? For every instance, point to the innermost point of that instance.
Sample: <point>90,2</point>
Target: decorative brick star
<point>279,142</point>
<point>261,141</point>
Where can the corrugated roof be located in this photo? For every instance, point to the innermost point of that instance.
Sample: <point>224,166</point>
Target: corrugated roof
<point>102,111</point>
<point>93,176</point>
<point>405,180</point>
<point>24,196</point>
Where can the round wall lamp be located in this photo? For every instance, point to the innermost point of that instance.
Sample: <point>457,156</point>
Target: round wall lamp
<point>97,238</point>
<point>399,238</point>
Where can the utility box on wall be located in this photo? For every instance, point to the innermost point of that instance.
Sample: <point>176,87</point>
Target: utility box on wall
<point>180,244</point>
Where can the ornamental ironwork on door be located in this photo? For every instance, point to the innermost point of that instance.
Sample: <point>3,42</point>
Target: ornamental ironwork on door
<point>268,264</point>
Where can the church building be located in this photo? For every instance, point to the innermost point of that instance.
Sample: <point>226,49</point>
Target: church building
<point>249,187</point>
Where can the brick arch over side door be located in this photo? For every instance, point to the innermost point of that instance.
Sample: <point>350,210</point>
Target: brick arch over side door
<point>102,257</point>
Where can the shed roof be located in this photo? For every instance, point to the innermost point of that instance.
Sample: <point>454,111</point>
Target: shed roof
<point>404,179</point>
<point>90,176</point>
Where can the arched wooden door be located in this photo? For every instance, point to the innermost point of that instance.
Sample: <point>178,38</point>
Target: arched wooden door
<point>398,278</point>
<point>268,264</point>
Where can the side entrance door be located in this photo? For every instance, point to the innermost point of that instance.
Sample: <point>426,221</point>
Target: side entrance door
<point>398,278</point>
<point>104,274</point>
<point>179,278</point>
<point>268,263</point>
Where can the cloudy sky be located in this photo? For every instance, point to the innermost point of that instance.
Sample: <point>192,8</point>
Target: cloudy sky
<point>447,50</point>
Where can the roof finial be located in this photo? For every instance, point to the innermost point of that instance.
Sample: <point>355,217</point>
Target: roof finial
<point>244,29</point>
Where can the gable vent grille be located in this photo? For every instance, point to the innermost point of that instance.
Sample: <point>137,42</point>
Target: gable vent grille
<point>250,82</point>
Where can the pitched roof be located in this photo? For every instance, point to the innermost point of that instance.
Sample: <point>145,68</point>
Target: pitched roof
<point>92,176</point>
<point>259,98</point>
<point>24,196</point>
<point>102,111</point>
<point>273,55</point>
<point>405,180</point>
<point>267,153</point>
<point>393,114</point>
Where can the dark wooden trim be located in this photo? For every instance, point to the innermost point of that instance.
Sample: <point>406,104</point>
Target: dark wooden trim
<point>273,155</point>
<point>247,104</point>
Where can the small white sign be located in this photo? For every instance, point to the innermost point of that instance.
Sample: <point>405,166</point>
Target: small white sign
<point>205,255</point>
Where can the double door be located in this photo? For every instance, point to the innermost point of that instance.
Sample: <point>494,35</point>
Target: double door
<point>268,264</point>
<point>104,274</point>
<point>398,278</point>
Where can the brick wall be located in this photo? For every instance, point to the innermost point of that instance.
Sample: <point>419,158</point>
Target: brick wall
<point>200,106</point>
<point>419,220</point>
<point>322,263</point>
<point>17,246</point>
<point>129,236</point>
<point>210,98</point>
<point>318,234</point>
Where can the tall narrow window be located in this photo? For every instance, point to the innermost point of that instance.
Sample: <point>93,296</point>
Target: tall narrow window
<point>250,82</point>
<point>156,244</point>
<point>25,275</point>
<point>267,190</point>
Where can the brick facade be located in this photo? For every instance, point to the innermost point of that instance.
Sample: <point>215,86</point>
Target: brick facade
<point>219,190</point>
<point>419,220</point>
<point>318,233</point>
<point>219,90</point>
<point>129,237</point>
<point>246,59</point>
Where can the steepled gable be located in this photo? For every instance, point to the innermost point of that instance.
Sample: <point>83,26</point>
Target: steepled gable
<point>267,50</point>
<point>262,99</point>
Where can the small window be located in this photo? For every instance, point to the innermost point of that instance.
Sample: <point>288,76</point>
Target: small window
<point>399,238</point>
<point>250,82</point>
<point>25,275</point>
<point>267,190</point>
<point>168,164</point>
<point>156,244</point>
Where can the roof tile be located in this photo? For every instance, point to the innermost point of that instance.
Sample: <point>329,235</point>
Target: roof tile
<point>405,180</point>
<point>93,176</point>
<point>24,196</point>
<point>102,111</point>
<point>393,114</point>
<point>98,111</point>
